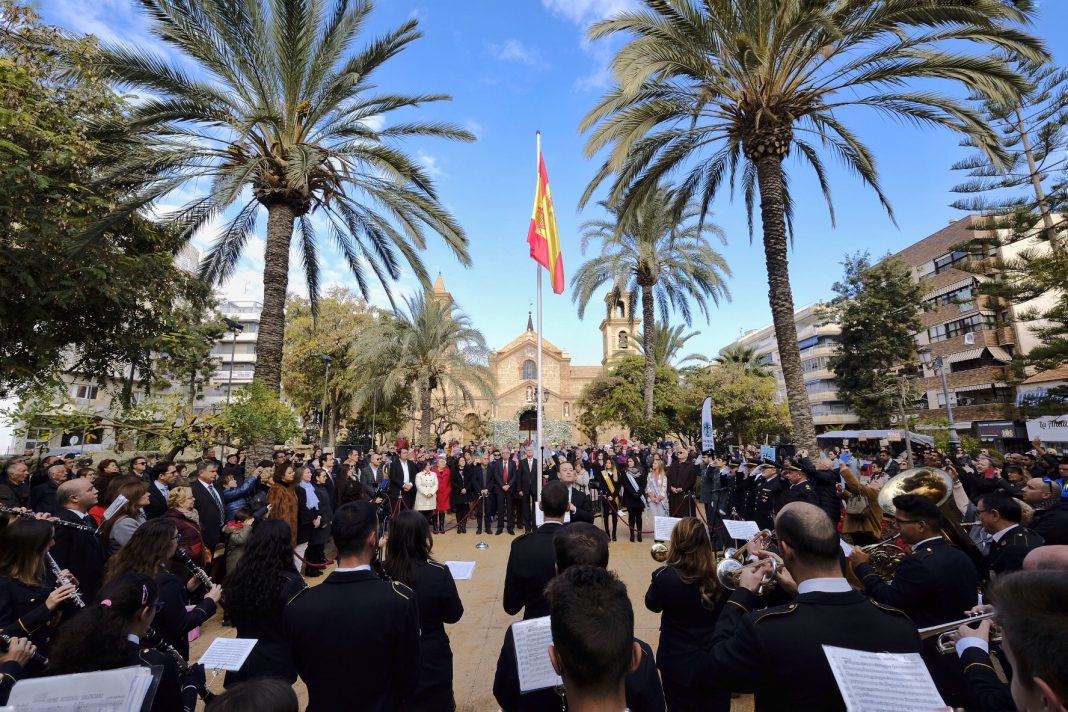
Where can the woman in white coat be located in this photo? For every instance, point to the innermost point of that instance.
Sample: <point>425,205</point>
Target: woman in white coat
<point>426,491</point>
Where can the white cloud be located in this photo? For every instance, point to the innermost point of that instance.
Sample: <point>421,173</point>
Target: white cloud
<point>512,50</point>
<point>586,12</point>
<point>430,163</point>
<point>475,128</point>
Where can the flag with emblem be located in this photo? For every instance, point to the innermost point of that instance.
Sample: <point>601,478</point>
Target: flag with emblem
<point>543,237</point>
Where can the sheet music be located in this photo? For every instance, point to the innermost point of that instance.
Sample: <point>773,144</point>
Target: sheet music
<point>227,653</point>
<point>663,526</point>
<point>847,548</point>
<point>532,639</point>
<point>461,570</point>
<point>740,529</point>
<point>883,682</point>
<point>118,504</point>
<point>122,690</point>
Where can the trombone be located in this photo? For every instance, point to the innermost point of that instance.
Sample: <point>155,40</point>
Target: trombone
<point>947,632</point>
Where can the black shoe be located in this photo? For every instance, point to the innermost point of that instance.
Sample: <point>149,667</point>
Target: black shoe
<point>613,537</point>
<point>632,536</point>
<point>479,532</point>
<point>639,536</point>
<point>512,532</point>
<point>499,532</point>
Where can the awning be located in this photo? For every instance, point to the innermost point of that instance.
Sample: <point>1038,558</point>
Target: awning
<point>999,354</point>
<point>977,387</point>
<point>959,284</point>
<point>963,355</point>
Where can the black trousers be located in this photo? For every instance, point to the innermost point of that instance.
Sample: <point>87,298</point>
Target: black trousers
<point>507,505</point>
<point>609,516</point>
<point>528,505</point>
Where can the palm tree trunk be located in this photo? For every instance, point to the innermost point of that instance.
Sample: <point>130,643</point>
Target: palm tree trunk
<point>649,343</point>
<point>280,219</point>
<point>781,299</point>
<point>424,415</point>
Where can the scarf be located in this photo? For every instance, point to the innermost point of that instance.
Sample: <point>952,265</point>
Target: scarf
<point>191,514</point>
<point>312,498</point>
<point>632,475</point>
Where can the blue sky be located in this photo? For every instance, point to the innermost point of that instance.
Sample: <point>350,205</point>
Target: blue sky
<point>517,66</point>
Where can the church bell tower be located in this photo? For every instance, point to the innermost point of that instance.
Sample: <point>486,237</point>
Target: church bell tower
<point>619,328</point>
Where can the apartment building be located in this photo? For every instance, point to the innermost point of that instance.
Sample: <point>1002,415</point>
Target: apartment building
<point>975,336</point>
<point>235,352</point>
<point>817,342</point>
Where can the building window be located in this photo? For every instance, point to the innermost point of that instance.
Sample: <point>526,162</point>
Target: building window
<point>82,392</point>
<point>815,364</point>
<point>530,370</point>
<point>948,260</point>
<point>621,308</point>
<point>251,327</point>
<point>962,296</point>
<point>622,340</point>
<point>967,325</point>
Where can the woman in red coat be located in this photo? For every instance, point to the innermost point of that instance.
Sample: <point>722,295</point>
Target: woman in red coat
<point>444,495</point>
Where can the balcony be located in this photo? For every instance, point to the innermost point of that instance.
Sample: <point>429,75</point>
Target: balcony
<point>835,419</point>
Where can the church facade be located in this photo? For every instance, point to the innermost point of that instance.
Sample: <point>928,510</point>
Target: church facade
<point>510,416</point>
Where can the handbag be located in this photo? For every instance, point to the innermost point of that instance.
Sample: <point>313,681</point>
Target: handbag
<point>857,505</point>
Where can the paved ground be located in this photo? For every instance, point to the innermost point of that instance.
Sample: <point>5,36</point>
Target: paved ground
<point>476,638</point>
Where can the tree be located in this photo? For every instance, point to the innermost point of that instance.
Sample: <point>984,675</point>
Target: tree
<point>96,308</point>
<point>666,260</point>
<point>878,309</point>
<point>617,398</point>
<point>744,404</point>
<point>723,89</point>
<point>747,357</point>
<point>433,347</point>
<point>668,343</point>
<point>255,416</point>
<point>280,118</point>
<point>1032,131</point>
<point>343,317</point>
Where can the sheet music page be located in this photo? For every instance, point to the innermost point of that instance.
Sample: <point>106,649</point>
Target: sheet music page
<point>883,682</point>
<point>532,639</point>
<point>121,690</point>
<point>663,526</point>
<point>118,504</point>
<point>461,570</point>
<point>740,529</point>
<point>227,653</point>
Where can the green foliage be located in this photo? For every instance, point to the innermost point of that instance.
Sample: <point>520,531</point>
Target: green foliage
<point>257,415</point>
<point>94,307</point>
<point>877,307</point>
<point>744,405</point>
<point>746,357</point>
<point>668,343</point>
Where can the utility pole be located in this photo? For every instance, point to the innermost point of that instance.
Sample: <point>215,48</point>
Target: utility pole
<point>236,327</point>
<point>905,421</point>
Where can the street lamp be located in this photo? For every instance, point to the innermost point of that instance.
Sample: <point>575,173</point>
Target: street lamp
<point>236,327</point>
<point>936,363</point>
<point>326,381</point>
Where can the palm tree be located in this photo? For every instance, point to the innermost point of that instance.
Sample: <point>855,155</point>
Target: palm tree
<point>283,118</point>
<point>432,347</point>
<point>668,343</point>
<point>663,257</point>
<point>722,89</point>
<point>745,357</point>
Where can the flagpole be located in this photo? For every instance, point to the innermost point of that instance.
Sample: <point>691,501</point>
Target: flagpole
<point>539,452</point>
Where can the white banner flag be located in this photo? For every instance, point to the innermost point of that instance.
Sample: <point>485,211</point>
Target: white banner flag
<point>708,441</point>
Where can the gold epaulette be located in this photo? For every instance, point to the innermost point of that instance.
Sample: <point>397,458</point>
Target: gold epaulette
<point>401,590</point>
<point>891,609</point>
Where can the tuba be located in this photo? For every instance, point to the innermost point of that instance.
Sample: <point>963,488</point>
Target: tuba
<point>934,484</point>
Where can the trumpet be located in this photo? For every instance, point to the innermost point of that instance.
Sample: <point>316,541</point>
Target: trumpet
<point>947,632</point>
<point>64,581</point>
<point>729,573</point>
<point>761,540</point>
<point>659,552</point>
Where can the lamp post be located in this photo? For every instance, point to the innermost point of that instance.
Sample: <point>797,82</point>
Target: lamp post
<point>326,381</point>
<point>236,327</point>
<point>936,363</point>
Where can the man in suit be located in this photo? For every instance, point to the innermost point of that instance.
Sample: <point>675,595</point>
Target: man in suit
<point>681,480</point>
<point>576,545</point>
<point>209,505</point>
<point>788,639</point>
<point>402,472</point>
<point>139,468</point>
<point>579,507</point>
<point>532,560</point>
<point>529,473</point>
<point>164,475</point>
<point>80,552</point>
<point>1000,517</point>
<point>372,476</point>
<point>43,496</point>
<point>477,484</point>
<point>14,489</point>
<point>322,624</point>
<point>933,585</point>
<point>506,485</point>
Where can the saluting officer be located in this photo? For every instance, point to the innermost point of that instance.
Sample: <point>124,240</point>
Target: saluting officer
<point>1000,517</point>
<point>799,489</point>
<point>934,585</point>
<point>325,628</point>
<point>766,492</point>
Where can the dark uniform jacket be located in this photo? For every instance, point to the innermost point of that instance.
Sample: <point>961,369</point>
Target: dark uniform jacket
<point>81,553</point>
<point>934,585</point>
<point>1052,524</point>
<point>23,614</point>
<point>788,640</point>
<point>643,689</point>
<point>1008,553</point>
<point>271,656</point>
<point>766,496</point>
<point>355,617</point>
<point>531,564</point>
<point>157,502</point>
<point>802,491</point>
<point>173,622</point>
<point>439,603</point>
<point>988,692</point>
<point>170,694</point>
<point>686,627</point>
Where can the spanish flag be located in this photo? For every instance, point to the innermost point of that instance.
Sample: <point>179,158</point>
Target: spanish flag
<point>543,237</point>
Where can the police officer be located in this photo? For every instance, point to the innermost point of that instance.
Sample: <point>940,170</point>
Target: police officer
<point>532,560</point>
<point>799,489</point>
<point>1000,517</point>
<point>933,585</point>
<point>766,491</point>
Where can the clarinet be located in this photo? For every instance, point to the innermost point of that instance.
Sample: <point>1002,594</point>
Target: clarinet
<point>64,581</point>
<point>51,520</point>
<point>200,573</point>
<point>36,657</point>
<point>155,640</point>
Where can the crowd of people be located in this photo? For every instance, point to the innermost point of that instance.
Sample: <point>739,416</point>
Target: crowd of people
<point>133,562</point>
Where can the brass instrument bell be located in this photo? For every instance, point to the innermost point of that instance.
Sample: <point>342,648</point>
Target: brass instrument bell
<point>659,552</point>
<point>931,482</point>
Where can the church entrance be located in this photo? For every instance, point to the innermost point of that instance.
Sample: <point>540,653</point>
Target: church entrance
<point>528,423</point>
